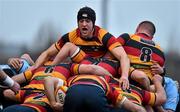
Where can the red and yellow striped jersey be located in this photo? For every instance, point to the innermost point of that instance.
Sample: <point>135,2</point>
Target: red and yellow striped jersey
<point>142,50</point>
<point>137,95</point>
<point>111,88</point>
<point>97,46</point>
<point>110,65</point>
<point>33,95</point>
<point>93,80</point>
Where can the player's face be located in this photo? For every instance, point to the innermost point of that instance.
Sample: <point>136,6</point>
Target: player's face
<point>86,28</point>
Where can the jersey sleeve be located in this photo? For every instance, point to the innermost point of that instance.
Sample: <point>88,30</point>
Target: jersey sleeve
<point>74,68</point>
<point>115,96</point>
<point>149,98</point>
<point>123,38</point>
<point>62,41</point>
<point>28,75</point>
<point>110,41</point>
<point>20,96</point>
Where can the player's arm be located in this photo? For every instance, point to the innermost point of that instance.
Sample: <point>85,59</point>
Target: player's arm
<point>51,84</point>
<point>160,92</point>
<point>2,75</point>
<point>46,55</point>
<point>9,93</point>
<point>124,103</point>
<point>124,60</point>
<point>13,85</point>
<point>68,50</point>
<point>92,69</point>
<point>7,81</point>
<point>121,55</point>
<point>20,78</point>
<point>127,104</point>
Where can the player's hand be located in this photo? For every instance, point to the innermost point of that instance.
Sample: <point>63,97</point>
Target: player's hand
<point>124,83</point>
<point>15,87</point>
<point>15,63</point>
<point>156,68</point>
<point>57,107</point>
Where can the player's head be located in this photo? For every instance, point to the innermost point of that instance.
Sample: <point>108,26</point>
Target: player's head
<point>86,18</point>
<point>146,27</point>
<point>86,13</point>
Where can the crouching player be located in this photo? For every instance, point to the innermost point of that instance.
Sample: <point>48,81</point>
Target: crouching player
<point>86,91</point>
<point>32,96</point>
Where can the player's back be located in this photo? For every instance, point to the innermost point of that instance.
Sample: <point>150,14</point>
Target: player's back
<point>143,51</point>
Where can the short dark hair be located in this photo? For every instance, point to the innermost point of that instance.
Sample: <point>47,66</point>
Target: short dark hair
<point>86,12</point>
<point>149,26</point>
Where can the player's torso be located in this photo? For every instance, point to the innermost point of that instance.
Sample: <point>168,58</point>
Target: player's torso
<point>93,47</point>
<point>37,77</point>
<point>143,51</point>
<point>94,80</point>
<point>34,93</point>
<point>111,66</point>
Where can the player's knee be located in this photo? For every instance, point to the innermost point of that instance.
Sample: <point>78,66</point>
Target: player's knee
<point>143,77</point>
<point>70,45</point>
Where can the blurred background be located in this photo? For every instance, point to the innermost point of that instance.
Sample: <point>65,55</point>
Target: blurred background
<point>31,26</point>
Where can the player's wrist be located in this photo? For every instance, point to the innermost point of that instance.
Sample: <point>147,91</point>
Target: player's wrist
<point>52,103</point>
<point>124,77</point>
<point>8,81</point>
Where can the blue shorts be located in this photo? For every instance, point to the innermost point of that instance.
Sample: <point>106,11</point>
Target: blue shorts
<point>18,108</point>
<point>86,98</point>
